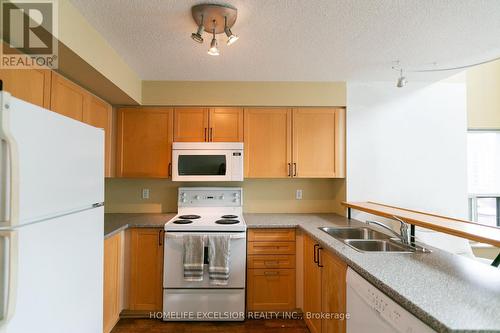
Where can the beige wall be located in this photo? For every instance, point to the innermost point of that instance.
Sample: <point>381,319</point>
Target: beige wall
<point>227,93</point>
<point>259,195</point>
<point>77,34</point>
<point>483,96</point>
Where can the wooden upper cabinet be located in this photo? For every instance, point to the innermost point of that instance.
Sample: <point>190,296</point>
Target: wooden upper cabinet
<point>146,269</point>
<point>226,125</point>
<point>67,98</point>
<point>318,141</point>
<point>267,141</point>
<point>99,114</point>
<point>333,291</point>
<point>144,142</point>
<point>190,124</point>
<point>30,85</point>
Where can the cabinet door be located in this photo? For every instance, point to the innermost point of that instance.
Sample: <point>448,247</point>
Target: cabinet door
<point>112,282</point>
<point>146,269</point>
<point>312,286</point>
<point>30,85</point>
<point>267,142</point>
<point>318,143</point>
<point>271,289</point>
<point>99,114</point>
<point>226,125</point>
<point>144,142</point>
<point>333,290</point>
<point>67,98</point>
<point>190,125</point>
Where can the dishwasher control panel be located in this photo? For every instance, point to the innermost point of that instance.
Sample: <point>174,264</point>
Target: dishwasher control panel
<point>389,311</point>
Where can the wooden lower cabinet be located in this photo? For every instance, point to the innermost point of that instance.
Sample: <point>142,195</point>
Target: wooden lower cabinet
<point>112,281</point>
<point>271,270</point>
<point>146,269</point>
<point>324,289</point>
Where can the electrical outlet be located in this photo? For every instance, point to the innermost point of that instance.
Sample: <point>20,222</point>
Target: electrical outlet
<point>298,195</point>
<point>145,193</point>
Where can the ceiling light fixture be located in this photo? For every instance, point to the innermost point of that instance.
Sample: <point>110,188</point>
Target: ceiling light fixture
<point>231,38</point>
<point>214,19</point>
<point>196,36</point>
<point>213,50</point>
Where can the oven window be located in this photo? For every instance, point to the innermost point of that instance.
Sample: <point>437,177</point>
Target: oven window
<point>202,165</point>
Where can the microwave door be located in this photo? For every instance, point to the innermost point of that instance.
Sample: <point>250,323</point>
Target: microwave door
<point>201,165</point>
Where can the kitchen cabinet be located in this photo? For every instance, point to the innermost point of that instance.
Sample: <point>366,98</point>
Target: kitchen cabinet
<point>298,143</point>
<point>146,269</point>
<point>99,114</point>
<point>144,142</point>
<point>271,270</point>
<point>267,140</point>
<point>226,125</point>
<point>318,142</point>
<point>31,85</point>
<point>67,98</point>
<point>324,288</point>
<point>208,125</point>
<point>112,281</point>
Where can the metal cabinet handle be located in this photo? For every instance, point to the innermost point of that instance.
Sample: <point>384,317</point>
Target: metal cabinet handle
<point>160,238</point>
<point>319,256</point>
<point>289,169</point>
<point>205,134</point>
<point>295,169</point>
<point>271,273</point>
<point>315,259</point>
<point>211,134</point>
<point>271,263</point>
<point>170,169</point>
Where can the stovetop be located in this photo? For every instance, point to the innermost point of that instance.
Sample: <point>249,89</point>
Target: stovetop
<point>208,209</point>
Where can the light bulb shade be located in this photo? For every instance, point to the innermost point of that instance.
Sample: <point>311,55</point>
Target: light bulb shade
<point>231,38</point>
<point>197,37</point>
<point>402,81</point>
<point>213,50</point>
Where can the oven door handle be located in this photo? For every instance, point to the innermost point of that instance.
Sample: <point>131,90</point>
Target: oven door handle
<point>175,235</point>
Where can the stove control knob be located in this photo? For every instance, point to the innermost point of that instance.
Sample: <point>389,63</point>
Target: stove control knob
<point>221,197</point>
<point>183,195</point>
<point>236,195</point>
<point>183,200</point>
<point>197,197</point>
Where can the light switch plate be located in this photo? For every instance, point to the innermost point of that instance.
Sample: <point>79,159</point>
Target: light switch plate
<point>145,193</point>
<point>298,195</point>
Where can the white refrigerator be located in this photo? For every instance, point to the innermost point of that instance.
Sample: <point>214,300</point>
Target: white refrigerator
<point>51,221</point>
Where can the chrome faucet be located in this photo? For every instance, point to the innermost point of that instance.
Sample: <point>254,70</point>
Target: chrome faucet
<point>403,235</point>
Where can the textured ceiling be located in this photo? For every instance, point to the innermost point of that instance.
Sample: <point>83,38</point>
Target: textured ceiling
<point>300,40</point>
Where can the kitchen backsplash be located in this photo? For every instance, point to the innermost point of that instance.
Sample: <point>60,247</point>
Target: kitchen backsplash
<point>259,195</point>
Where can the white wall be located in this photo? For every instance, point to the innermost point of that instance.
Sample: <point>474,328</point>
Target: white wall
<point>407,147</point>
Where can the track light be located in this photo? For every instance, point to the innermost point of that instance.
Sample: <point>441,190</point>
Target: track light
<point>196,36</point>
<point>402,81</point>
<point>213,50</point>
<point>231,38</point>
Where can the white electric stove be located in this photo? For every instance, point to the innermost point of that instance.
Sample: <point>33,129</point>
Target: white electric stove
<point>205,211</point>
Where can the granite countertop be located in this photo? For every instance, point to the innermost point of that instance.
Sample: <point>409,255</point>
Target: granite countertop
<point>116,222</point>
<point>449,293</point>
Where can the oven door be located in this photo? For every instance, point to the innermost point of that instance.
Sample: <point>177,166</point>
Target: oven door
<point>201,165</point>
<point>173,270</point>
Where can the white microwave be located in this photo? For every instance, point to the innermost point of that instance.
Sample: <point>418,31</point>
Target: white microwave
<point>207,161</point>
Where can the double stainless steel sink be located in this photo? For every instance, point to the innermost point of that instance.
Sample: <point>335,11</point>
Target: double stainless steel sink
<point>365,239</point>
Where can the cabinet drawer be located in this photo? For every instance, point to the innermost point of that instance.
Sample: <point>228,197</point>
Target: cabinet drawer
<point>271,289</point>
<point>271,235</point>
<point>271,248</point>
<point>271,261</point>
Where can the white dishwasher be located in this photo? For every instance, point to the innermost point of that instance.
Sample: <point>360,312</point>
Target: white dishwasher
<point>372,311</point>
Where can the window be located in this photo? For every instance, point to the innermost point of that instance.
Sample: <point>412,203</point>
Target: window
<point>483,155</point>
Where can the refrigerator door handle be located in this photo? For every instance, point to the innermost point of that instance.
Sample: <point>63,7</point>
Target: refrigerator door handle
<point>9,201</point>
<point>8,270</point>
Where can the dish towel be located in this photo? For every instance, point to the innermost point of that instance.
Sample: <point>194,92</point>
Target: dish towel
<point>218,259</point>
<point>193,257</point>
